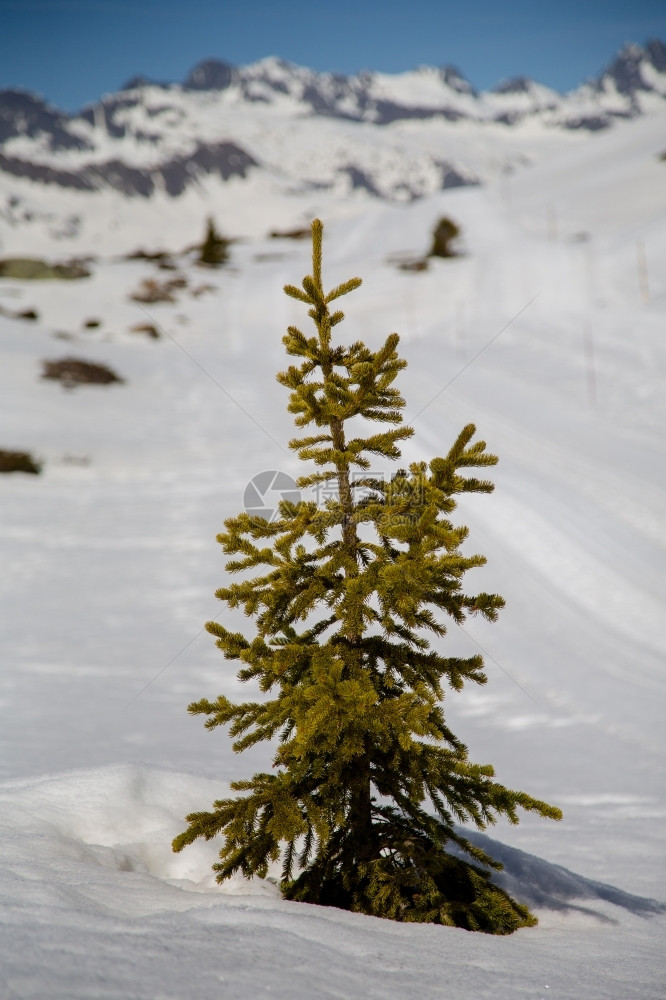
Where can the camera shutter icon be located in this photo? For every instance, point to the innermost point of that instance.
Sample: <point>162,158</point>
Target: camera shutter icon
<point>264,492</point>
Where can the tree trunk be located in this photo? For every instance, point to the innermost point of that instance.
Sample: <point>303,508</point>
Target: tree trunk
<point>360,812</point>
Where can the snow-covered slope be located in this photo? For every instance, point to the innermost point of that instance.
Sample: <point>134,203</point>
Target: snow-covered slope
<point>97,906</point>
<point>229,122</point>
<point>547,332</point>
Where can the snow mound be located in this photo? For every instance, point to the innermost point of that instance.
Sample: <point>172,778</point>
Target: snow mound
<point>96,905</point>
<point>103,836</point>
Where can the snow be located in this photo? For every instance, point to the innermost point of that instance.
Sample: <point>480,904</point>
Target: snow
<point>422,88</point>
<point>541,335</point>
<point>111,912</point>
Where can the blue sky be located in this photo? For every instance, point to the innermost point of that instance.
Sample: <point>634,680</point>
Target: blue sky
<point>73,51</point>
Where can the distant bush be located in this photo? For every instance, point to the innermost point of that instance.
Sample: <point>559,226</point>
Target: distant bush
<point>202,289</point>
<point>444,234</point>
<point>159,256</point>
<point>32,269</point>
<point>180,281</point>
<point>75,371</point>
<point>18,461</point>
<point>290,234</point>
<point>148,329</point>
<point>29,314</point>
<point>151,291</point>
<point>415,264</point>
<point>214,250</point>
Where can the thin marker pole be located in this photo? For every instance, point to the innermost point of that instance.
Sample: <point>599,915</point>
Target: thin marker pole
<point>505,186</point>
<point>641,265</point>
<point>552,224</point>
<point>590,374</point>
<point>460,330</point>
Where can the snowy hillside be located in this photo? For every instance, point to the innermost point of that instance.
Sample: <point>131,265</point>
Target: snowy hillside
<point>547,331</point>
<point>230,122</point>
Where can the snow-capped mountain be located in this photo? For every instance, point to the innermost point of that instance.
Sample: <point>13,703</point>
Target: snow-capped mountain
<point>226,122</point>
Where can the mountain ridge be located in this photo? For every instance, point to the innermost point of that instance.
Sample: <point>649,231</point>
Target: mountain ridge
<point>151,136</point>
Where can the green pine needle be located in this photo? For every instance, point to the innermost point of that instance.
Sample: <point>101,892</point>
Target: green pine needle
<point>368,782</point>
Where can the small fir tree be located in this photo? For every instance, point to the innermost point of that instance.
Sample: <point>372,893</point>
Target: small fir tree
<point>368,780</point>
<point>444,234</point>
<point>214,249</point>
